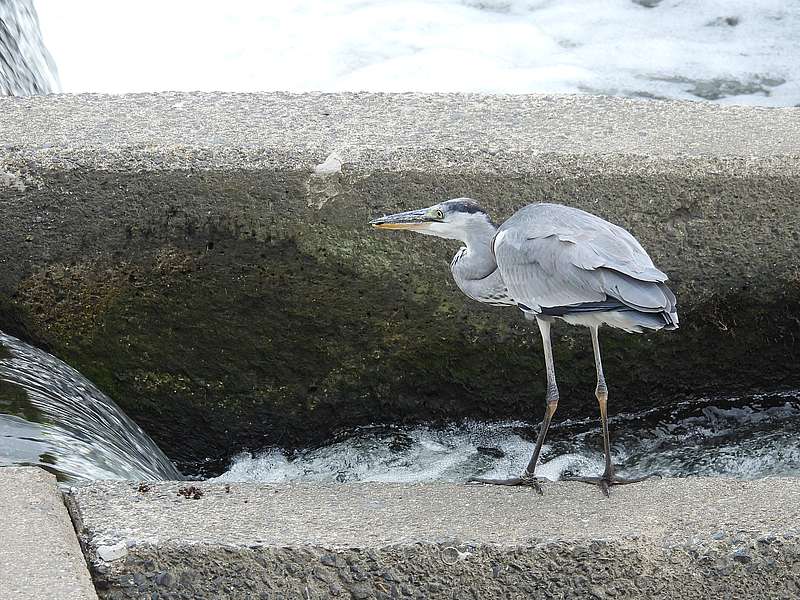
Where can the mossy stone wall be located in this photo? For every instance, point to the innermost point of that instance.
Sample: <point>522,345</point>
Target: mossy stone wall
<point>236,297</point>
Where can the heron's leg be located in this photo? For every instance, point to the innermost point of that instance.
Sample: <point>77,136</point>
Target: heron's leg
<point>551,398</point>
<point>601,393</point>
<point>551,403</point>
<point>608,478</point>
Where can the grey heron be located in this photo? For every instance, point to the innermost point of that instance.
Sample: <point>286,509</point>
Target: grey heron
<point>552,262</point>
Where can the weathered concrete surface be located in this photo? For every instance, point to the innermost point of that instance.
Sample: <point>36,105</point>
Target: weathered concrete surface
<point>39,554</point>
<point>688,538</point>
<point>205,259</point>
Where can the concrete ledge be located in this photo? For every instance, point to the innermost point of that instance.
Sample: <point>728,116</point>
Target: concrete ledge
<point>39,553</point>
<point>205,259</point>
<point>688,538</point>
<point>379,130</point>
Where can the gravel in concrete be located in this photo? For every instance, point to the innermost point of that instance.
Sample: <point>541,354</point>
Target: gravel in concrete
<point>376,124</point>
<point>40,557</point>
<point>694,538</point>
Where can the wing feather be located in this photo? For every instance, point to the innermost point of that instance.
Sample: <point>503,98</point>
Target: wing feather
<point>551,255</point>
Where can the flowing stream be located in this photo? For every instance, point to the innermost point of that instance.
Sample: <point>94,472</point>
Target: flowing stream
<point>742,438</point>
<point>52,416</point>
<point>26,66</point>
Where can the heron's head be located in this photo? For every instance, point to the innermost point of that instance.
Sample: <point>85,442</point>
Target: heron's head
<point>453,219</point>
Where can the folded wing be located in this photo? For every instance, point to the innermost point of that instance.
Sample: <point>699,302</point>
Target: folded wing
<point>556,256</point>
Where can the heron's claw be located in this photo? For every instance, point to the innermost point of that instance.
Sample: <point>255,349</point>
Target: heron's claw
<point>525,480</point>
<point>605,481</point>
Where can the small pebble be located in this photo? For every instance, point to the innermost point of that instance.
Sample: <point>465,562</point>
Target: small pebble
<point>112,552</point>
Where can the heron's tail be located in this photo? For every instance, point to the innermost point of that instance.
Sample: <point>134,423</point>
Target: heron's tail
<point>637,320</point>
<point>671,318</point>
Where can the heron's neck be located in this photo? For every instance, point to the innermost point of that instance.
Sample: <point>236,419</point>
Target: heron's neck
<point>477,261</point>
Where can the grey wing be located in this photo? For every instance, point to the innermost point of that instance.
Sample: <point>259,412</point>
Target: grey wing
<point>556,256</point>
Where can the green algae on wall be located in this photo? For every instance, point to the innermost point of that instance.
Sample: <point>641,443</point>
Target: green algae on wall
<point>222,311</point>
<point>247,344</point>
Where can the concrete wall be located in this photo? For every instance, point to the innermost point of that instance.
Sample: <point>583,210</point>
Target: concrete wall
<point>680,538</point>
<point>205,259</point>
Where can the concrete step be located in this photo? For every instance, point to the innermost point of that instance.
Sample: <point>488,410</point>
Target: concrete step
<point>688,538</point>
<point>40,558</point>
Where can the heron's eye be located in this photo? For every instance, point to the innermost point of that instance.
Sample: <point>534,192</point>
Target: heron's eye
<point>439,214</point>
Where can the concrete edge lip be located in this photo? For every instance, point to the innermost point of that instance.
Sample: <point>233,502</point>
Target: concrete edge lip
<point>345,124</point>
<point>694,535</point>
<point>39,555</point>
<point>334,140</point>
<point>431,512</point>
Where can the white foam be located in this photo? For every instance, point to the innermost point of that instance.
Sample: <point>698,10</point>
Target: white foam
<point>453,454</point>
<point>746,441</point>
<point>515,46</point>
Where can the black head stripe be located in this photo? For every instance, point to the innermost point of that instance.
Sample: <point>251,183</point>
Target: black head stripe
<point>463,205</point>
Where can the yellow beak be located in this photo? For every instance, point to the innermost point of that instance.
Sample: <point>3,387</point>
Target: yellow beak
<point>399,225</point>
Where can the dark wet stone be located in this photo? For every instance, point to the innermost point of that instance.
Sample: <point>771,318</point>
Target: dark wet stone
<point>361,591</point>
<point>742,556</point>
<point>493,452</point>
<point>165,579</point>
<point>400,442</point>
<point>725,22</point>
<point>495,6</point>
<point>329,560</point>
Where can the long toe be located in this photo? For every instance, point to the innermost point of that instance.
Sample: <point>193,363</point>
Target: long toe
<point>533,482</point>
<point>600,482</point>
<point>605,482</point>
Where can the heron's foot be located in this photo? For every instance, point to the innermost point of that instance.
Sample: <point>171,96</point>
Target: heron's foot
<point>606,480</point>
<point>524,481</point>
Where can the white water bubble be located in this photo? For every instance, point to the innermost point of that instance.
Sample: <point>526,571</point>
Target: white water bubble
<point>726,437</point>
<point>727,51</point>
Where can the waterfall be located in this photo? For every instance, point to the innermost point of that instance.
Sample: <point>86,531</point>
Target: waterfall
<point>53,417</point>
<point>26,66</point>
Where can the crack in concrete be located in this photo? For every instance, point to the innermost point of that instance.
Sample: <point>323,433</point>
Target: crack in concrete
<point>325,182</point>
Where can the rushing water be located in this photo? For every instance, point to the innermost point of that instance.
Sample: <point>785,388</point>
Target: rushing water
<point>25,65</point>
<point>732,51</point>
<point>743,438</point>
<point>727,51</point>
<point>53,417</point>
